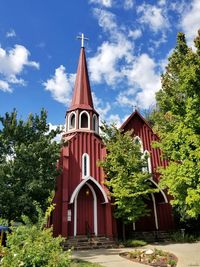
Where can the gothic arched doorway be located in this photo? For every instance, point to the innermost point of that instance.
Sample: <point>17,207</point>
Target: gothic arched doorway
<point>86,210</point>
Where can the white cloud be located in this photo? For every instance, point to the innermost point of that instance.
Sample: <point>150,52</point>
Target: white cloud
<point>156,43</point>
<point>128,4</point>
<point>4,86</point>
<point>162,2</point>
<point>143,83</point>
<point>190,22</point>
<point>114,118</point>
<point>10,34</point>
<point>100,106</point>
<point>178,6</point>
<point>60,85</point>
<point>152,16</point>
<point>106,19</point>
<point>12,64</point>
<point>106,3</point>
<point>14,80</point>
<point>135,34</point>
<point>104,65</point>
<point>58,137</point>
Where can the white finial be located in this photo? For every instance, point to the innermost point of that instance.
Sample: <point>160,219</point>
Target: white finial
<point>82,37</point>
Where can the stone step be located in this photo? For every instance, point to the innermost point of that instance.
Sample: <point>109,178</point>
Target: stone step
<point>88,243</point>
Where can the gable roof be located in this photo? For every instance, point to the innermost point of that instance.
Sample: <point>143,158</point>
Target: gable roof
<point>135,113</point>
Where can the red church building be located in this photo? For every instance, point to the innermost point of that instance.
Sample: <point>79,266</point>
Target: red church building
<point>83,205</point>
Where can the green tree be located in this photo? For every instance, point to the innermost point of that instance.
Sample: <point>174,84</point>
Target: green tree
<point>129,186</point>
<point>28,158</point>
<point>177,121</point>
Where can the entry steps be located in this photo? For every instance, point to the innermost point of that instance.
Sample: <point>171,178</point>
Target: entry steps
<point>84,242</point>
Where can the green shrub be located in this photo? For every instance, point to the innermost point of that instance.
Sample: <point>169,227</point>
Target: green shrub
<point>31,247</point>
<point>135,243</point>
<point>160,252</point>
<point>172,262</point>
<point>34,246</point>
<point>136,254</point>
<point>180,238</point>
<point>3,221</point>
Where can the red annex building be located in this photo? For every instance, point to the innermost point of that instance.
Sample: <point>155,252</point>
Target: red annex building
<point>83,205</point>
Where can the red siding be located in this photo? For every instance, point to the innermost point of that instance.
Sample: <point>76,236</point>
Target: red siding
<point>80,143</point>
<point>164,211</point>
<point>85,211</point>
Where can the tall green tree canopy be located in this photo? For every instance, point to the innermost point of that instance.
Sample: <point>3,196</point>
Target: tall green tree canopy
<point>128,184</point>
<point>177,121</point>
<point>28,158</point>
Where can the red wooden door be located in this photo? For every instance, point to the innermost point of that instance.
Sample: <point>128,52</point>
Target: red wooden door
<point>85,212</point>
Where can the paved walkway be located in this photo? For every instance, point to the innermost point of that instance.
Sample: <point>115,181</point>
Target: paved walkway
<point>188,255</point>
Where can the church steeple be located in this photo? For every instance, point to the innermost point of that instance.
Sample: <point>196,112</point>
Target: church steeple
<point>82,97</point>
<point>81,115</point>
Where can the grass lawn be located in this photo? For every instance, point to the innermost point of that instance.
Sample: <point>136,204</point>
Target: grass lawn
<point>81,263</point>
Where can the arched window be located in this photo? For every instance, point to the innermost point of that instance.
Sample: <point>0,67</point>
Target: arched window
<point>84,120</point>
<point>95,123</point>
<point>138,141</point>
<point>147,156</point>
<point>72,121</point>
<point>85,165</point>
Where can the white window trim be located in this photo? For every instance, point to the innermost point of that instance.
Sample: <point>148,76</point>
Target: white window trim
<point>84,111</point>
<point>149,167</point>
<point>69,121</point>
<point>96,126</point>
<point>140,142</point>
<point>85,155</point>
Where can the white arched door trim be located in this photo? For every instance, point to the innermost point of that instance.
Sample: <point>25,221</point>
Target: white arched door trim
<point>162,192</point>
<point>84,181</point>
<point>155,211</point>
<point>94,210</point>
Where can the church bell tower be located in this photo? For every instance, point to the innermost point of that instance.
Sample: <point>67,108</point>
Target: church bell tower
<point>82,201</point>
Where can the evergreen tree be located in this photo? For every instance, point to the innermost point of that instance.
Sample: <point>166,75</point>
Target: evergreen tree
<point>129,186</point>
<point>177,121</point>
<point>28,158</point>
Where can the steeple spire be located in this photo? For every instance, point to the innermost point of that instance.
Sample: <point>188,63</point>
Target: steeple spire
<point>82,98</point>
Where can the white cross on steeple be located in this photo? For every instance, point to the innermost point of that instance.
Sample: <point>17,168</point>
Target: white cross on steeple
<point>82,37</point>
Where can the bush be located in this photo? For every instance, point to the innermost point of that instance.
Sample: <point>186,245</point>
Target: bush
<point>180,238</point>
<point>34,246</point>
<point>134,243</point>
<point>31,247</point>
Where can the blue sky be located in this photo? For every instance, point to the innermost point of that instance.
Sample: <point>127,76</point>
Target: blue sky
<point>129,43</point>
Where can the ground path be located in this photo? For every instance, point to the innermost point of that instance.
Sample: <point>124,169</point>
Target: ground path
<point>187,253</point>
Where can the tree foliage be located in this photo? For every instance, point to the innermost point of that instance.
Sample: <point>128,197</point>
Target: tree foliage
<point>28,158</point>
<point>177,121</point>
<point>128,184</point>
